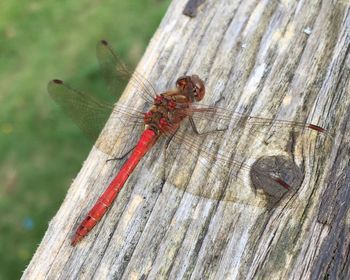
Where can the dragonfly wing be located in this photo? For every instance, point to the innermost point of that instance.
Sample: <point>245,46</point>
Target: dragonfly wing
<point>117,74</point>
<point>91,115</point>
<point>216,117</point>
<point>87,112</point>
<point>209,169</point>
<point>220,175</point>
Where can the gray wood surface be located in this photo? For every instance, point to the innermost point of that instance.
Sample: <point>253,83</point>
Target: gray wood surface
<point>278,59</point>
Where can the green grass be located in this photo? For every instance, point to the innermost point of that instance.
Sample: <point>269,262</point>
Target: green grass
<point>41,150</point>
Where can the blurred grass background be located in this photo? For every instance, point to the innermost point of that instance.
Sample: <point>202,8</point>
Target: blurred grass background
<point>41,150</point>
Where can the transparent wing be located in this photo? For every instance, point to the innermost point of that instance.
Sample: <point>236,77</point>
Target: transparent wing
<point>199,169</point>
<point>217,118</point>
<point>117,73</point>
<point>225,176</point>
<point>91,115</point>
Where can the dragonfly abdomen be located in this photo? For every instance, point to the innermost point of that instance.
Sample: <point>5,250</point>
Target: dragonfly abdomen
<point>147,139</point>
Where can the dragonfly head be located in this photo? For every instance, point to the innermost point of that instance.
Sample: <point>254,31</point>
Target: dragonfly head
<point>192,86</point>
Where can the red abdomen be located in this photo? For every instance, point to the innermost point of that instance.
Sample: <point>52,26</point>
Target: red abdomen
<point>147,139</point>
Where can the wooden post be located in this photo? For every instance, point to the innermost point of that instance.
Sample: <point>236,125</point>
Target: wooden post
<point>278,59</point>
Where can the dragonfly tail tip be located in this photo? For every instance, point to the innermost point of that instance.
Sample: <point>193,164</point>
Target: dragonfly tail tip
<point>76,239</point>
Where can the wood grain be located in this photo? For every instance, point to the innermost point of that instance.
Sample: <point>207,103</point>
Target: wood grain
<point>278,59</point>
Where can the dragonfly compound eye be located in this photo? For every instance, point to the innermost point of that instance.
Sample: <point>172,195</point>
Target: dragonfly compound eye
<point>182,82</point>
<point>199,88</point>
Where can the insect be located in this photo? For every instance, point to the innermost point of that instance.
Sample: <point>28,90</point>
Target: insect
<point>167,111</point>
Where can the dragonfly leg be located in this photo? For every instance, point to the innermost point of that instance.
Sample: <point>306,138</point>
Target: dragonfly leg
<point>195,130</point>
<point>123,156</point>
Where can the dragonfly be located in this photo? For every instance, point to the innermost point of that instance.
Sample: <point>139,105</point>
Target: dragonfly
<point>164,118</point>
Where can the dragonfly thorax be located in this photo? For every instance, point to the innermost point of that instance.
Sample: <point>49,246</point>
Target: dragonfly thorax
<point>167,111</point>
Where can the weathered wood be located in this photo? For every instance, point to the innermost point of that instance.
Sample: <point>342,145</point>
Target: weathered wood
<point>284,59</point>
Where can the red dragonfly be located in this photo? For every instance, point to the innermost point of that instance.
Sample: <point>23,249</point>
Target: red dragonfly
<point>166,113</point>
